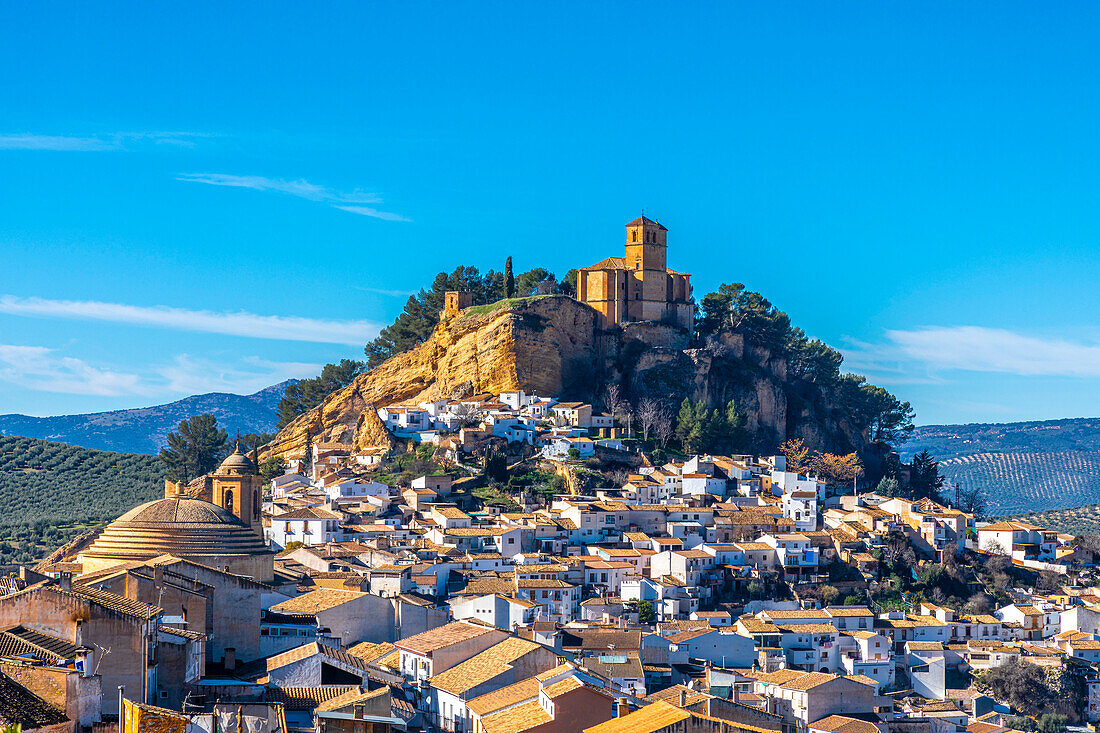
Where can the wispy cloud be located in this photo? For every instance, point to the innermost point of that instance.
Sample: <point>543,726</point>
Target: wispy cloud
<point>385,291</point>
<point>93,143</point>
<point>197,375</point>
<point>300,188</point>
<point>367,211</point>
<point>39,368</point>
<point>241,323</point>
<point>937,349</point>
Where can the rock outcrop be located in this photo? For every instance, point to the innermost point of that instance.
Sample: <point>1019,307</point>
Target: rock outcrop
<point>545,345</point>
<point>551,346</point>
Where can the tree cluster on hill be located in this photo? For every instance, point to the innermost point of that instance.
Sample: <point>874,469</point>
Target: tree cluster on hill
<point>710,431</point>
<point>1052,695</point>
<point>421,314</point>
<point>196,447</point>
<point>829,467</point>
<point>415,323</point>
<point>734,309</point>
<point>51,491</point>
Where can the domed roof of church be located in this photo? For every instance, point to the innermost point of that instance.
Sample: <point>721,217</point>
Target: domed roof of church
<point>187,528</point>
<point>235,463</point>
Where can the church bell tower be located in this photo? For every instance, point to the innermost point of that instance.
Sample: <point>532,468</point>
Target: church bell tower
<point>646,245</point>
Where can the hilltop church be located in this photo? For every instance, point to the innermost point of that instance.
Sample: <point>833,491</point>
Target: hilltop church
<point>639,286</point>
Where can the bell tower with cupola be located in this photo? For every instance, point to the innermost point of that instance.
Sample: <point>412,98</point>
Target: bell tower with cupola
<point>236,487</point>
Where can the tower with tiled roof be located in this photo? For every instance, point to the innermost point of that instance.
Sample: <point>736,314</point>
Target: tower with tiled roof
<point>638,286</point>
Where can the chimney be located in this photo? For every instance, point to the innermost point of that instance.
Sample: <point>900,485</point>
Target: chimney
<point>229,661</point>
<point>621,707</point>
<point>360,711</point>
<point>735,693</point>
<point>66,580</point>
<point>683,697</point>
<point>158,576</point>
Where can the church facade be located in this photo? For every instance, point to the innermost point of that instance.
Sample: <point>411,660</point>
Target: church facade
<point>638,286</point>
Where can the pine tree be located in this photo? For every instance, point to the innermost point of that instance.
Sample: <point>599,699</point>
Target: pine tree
<point>195,448</point>
<point>685,422</point>
<point>307,458</point>
<point>925,479</point>
<point>509,281</point>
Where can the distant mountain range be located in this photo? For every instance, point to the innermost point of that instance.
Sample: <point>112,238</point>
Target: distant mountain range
<point>1021,467</point>
<point>144,430</point>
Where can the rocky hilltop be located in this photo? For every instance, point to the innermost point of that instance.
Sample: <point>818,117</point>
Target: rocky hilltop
<point>551,345</point>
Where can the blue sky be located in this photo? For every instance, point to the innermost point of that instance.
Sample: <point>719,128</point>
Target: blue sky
<point>219,196</point>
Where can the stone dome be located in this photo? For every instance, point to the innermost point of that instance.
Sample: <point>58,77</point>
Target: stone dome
<point>235,464</point>
<point>187,528</point>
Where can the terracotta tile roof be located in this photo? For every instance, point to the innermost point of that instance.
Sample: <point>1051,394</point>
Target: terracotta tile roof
<point>843,724</point>
<point>308,650</point>
<point>483,667</point>
<point>654,717</point>
<point>428,641</point>
<point>563,687</point>
<point>612,664</point>
<point>808,628</point>
<point>18,705</point>
<point>370,652</point>
<point>352,697</point>
<point>808,680</point>
<point>102,598</point>
<point>673,693</point>
<point>516,719</point>
<point>489,586</point>
<point>182,633</point>
<point>317,601</point>
<point>305,698</point>
<point>504,697</point>
<point>47,647</point>
<point>798,614</point>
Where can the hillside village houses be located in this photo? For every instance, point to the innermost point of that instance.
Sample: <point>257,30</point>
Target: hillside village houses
<point>435,616</point>
<point>355,594</point>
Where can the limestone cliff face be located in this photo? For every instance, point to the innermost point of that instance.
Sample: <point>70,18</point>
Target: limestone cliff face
<point>543,345</point>
<point>551,346</point>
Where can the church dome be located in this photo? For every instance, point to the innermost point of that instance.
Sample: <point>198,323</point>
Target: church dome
<point>235,464</point>
<point>186,528</point>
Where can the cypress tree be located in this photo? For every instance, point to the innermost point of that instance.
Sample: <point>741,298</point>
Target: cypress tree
<point>509,281</point>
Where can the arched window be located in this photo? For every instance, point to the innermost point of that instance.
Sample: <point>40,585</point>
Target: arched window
<point>229,500</point>
<point>634,235</point>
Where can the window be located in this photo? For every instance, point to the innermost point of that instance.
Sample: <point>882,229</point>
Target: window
<point>634,235</point>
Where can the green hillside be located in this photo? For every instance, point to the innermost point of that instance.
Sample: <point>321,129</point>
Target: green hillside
<point>1078,520</point>
<point>1020,482</point>
<point>1020,467</point>
<point>50,492</point>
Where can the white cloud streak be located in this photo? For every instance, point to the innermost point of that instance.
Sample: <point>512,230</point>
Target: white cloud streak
<point>39,368</point>
<point>285,328</point>
<point>93,143</point>
<point>300,188</point>
<point>977,349</point>
<point>375,213</point>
